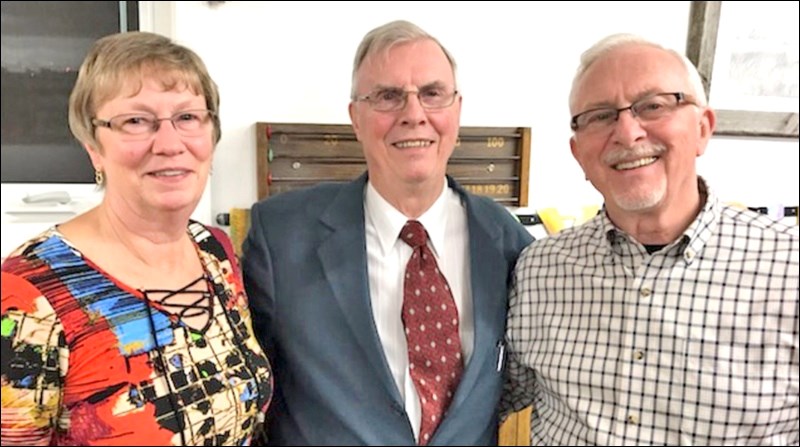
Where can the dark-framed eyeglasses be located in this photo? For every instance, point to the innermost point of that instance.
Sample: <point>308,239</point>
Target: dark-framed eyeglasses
<point>188,123</point>
<point>647,109</point>
<point>394,99</point>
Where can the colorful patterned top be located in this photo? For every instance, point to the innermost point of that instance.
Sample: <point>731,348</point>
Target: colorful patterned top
<point>81,365</point>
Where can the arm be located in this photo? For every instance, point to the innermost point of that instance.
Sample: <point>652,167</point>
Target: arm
<point>519,380</point>
<point>258,282</point>
<point>34,362</point>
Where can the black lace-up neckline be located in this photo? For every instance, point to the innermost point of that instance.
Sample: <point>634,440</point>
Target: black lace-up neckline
<point>178,302</point>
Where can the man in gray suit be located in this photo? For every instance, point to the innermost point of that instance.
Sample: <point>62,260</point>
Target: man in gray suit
<point>325,269</point>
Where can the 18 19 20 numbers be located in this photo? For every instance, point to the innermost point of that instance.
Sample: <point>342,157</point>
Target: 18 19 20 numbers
<point>490,189</point>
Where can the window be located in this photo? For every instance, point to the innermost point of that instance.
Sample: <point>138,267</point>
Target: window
<point>43,45</point>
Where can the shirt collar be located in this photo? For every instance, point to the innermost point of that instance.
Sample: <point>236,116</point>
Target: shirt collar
<point>388,221</point>
<point>704,225</point>
<point>693,239</point>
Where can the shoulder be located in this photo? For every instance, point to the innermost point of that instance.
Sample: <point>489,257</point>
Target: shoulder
<point>46,251</point>
<point>569,243</point>
<point>495,217</point>
<point>483,204</point>
<point>300,199</point>
<point>296,215</point>
<point>756,221</point>
<point>486,206</point>
<point>758,231</point>
<point>212,240</point>
<point>33,243</point>
<point>35,279</point>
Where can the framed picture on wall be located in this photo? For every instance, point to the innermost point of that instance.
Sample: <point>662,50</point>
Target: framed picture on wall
<point>43,46</point>
<point>747,54</point>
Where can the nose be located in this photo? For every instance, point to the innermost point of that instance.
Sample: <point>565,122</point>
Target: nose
<point>159,121</point>
<point>627,128</point>
<point>413,113</point>
<point>166,139</point>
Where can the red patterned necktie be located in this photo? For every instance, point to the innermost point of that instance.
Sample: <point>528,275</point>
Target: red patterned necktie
<point>430,318</point>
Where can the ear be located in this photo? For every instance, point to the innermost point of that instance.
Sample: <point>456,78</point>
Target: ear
<point>708,122</point>
<point>95,157</point>
<point>573,146</point>
<point>351,110</point>
<point>458,113</point>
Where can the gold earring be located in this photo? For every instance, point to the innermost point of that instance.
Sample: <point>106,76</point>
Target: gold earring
<point>99,178</point>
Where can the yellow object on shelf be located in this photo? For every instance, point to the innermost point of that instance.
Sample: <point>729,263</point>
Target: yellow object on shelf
<point>589,211</point>
<point>554,221</point>
<point>240,224</point>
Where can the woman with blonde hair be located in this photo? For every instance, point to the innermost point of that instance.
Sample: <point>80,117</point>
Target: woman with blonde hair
<point>129,324</point>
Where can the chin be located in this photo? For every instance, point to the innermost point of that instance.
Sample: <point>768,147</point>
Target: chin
<point>638,202</point>
<point>425,173</point>
<point>178,204</point>
<point>640,197</point>
<point>417,177</point>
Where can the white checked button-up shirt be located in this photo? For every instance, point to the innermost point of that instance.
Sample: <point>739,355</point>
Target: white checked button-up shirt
<point>694,344</point>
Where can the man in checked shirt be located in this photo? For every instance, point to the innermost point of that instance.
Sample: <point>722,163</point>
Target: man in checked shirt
<point>669,318</point>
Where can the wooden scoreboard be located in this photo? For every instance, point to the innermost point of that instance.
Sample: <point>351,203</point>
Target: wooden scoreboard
<point>490,161</point>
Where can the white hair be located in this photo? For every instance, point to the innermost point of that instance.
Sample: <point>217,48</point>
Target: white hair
<point>615,41</point>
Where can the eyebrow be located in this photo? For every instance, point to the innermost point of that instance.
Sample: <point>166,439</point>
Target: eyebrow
<point>434,84</point>
<point>610,105</point>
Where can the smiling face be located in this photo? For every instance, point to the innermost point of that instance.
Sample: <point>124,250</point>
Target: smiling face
<point>162,172</point>
<point>407,149</point>
<point>641,166</point>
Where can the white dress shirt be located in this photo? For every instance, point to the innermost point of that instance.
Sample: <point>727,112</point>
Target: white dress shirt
<point>387,256</point>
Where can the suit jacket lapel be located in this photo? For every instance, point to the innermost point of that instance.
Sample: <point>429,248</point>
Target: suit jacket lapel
<point>344,260</point>
<point>488,278</point>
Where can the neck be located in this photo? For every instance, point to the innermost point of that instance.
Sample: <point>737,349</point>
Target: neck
<point>663,223</point>
<point>412,200</point>
<point>160,244</point>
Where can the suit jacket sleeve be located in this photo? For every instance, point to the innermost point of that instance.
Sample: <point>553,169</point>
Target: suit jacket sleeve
<point>258,281</point>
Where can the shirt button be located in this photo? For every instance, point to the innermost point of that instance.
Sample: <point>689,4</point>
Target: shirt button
<point>638,355</point>
<point>645,292</point>
<point>632,419</point>
<point>689,254</point>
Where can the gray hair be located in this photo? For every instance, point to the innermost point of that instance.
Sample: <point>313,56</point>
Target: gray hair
<point>383,38</point>
<point>615,41</point>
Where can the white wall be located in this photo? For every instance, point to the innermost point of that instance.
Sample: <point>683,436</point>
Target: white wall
<point>291,62</point>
